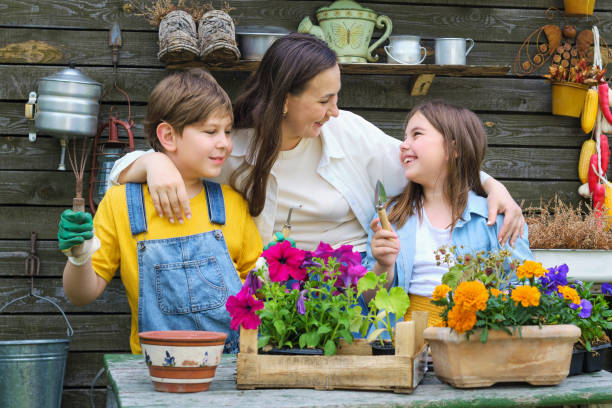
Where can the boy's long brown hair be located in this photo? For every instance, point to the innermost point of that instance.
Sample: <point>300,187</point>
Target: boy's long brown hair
<point>184,98</point>
<point>466,145</point>
<point>286,68</point>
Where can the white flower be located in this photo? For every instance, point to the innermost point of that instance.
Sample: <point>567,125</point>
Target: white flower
<point>262,265</point>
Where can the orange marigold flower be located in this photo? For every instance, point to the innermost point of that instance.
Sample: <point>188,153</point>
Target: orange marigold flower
<point>526,295</point>
<point>460,319</point>
<point>440,292</point>
<point>530,269</point>
<point>441,323</point>
<point>569,294</point>
<point>495,292</point>
<point>472,296</point>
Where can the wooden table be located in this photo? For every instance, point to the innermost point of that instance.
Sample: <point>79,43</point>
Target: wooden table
<point>131,387</point>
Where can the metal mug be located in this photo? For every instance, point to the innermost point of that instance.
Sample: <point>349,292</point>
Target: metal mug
<point>452,51</point>
<point>405,49</point>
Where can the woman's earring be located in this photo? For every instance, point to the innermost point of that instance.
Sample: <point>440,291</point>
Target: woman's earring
<point>285,114</point>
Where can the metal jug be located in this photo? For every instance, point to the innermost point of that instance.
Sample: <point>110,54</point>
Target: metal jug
<point>66,106</point>
<point>405,49</point>
<point>347,28</point>
<point>452,51</point>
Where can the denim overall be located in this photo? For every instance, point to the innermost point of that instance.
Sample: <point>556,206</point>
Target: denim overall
<point>184,282</point>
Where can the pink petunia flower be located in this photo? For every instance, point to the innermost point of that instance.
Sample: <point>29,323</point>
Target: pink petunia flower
<point>284,261</point>
<point>241,308</point>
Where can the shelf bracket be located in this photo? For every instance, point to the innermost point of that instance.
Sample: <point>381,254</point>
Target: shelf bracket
<point>420,85</point>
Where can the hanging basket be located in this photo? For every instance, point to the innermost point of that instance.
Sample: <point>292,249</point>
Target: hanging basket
<point>568,98</point>
<point>178,41</point>
<point>579,7</point>
<point>217,38</point>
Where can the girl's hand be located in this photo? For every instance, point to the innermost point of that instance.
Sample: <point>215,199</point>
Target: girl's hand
<point>499,201</point>
<point>385,245</point>
<point>167,188</point>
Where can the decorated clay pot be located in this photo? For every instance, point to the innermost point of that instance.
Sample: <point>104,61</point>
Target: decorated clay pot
<point>181,360</point>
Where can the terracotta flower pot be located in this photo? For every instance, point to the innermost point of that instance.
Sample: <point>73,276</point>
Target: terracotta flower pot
<point>182,361</point>
<point>541,357</point>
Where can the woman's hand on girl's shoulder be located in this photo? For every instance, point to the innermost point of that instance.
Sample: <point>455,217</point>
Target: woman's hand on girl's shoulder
<point>385,245</point>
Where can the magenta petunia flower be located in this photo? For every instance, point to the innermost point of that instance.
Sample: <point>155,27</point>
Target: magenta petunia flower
<point>351,274</point>
<point>241,308</point>
<point>284,261</point>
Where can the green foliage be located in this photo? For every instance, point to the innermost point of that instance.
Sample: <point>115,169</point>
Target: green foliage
<point>593,327</point>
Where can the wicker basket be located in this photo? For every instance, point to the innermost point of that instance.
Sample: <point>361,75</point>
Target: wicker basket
<point>217,37</point>
<point>177,38</point>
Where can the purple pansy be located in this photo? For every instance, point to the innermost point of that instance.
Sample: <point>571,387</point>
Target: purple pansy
<point>606,289</point>
<point>585,307</point>
<point>556,276</point>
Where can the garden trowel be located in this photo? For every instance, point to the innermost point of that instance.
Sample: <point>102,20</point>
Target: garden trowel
<point>380,197</point>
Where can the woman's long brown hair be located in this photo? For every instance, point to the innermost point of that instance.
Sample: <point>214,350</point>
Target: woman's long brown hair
<point>466,145</point>
<point>286,68</point>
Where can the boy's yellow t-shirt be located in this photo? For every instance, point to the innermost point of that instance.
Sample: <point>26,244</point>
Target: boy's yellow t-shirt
<point>118,249</point>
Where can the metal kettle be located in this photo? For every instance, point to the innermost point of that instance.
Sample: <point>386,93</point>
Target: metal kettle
<point>66,107</point>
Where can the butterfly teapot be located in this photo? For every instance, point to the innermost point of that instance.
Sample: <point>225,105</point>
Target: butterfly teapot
<point>347,28</point>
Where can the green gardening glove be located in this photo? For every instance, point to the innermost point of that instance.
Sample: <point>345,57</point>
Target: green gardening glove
<point>74,229</point>
<point>278,238</point>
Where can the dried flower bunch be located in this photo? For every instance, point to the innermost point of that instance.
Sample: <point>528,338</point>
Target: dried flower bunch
<point>559,225</point>
<point>580,73</point>
<point>535,296</point>
<point>155,12</point>
<point>300,298</point>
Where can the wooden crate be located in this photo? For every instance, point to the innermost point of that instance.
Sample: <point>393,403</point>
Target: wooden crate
<point>353,368</point>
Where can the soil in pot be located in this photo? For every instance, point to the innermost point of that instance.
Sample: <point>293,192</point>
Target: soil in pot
<point>577,361</point>
<point>594,360</point>
<point>382,349</point>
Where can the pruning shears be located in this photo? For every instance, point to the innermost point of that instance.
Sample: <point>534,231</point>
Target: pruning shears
<point>380,197</point>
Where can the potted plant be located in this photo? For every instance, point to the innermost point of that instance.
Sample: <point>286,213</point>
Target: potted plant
<point>385,307</point>
<point>574,235</point>
<point>301,301</point>
<point>593,317</point>
<point>500,328</point>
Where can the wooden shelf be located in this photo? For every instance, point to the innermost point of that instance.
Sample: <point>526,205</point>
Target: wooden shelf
<point>424,73</point>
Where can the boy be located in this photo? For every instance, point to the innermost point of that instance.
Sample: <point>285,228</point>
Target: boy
<point>177,276</point>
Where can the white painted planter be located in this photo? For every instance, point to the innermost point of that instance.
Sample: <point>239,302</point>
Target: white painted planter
<point>591,265</point>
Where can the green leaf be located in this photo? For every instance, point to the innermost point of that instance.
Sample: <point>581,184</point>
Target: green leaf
<point>262,341</point>
<point>372,336</point>
<point>312,339</point>
<point>395,301</point>
<point>367,282</point>
<point>302,340</point>
<point>330,348</point>
<point>324,329</point>
<point>279,326</point>
<point>346,335</point>
<point>453,276</point>
<point>484,335</point>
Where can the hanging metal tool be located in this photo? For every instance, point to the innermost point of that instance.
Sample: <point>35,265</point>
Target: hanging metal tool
<point>107,151</point>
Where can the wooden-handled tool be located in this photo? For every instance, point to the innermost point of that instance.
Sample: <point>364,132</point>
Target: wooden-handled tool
<point>380,197</point>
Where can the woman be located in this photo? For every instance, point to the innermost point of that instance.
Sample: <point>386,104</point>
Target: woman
<point>293,148</point>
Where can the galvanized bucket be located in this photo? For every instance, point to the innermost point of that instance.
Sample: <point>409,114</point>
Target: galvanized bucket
<point>32,371</point>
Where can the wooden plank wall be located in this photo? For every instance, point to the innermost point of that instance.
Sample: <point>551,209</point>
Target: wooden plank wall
<point>532,152</point>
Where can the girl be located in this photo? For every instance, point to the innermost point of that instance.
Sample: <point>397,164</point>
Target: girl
<point>444,204</point>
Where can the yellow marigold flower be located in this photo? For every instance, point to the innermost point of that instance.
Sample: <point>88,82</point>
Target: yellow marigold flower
<point>526,295</point>
<point>440,292</point>
<point>472,296</point>
<point>569,294</point>
<point>460,319</point>
<point>530,269</point>
<point>495,292</point>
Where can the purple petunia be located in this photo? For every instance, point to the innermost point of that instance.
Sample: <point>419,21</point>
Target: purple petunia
<point>585,308</point>
<point>301,306</point>
<point>252,283</point>
<point>606,289</point>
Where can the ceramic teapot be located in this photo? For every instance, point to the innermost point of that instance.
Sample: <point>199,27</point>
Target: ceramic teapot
<point>347,28</point>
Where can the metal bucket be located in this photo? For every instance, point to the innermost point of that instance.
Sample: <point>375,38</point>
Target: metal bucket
<point>32,371</point>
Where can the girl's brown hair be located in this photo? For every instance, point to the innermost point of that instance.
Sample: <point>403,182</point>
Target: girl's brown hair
<point>466,145</point>
<point>286,68</point>
<point>181,99</point>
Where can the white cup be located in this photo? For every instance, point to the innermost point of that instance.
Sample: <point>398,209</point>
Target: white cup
<point>405,49</point>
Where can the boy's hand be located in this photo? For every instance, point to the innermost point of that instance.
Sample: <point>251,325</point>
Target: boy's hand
<point>385,245</point>
<point>74,229</point>
<point>167,188</point>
